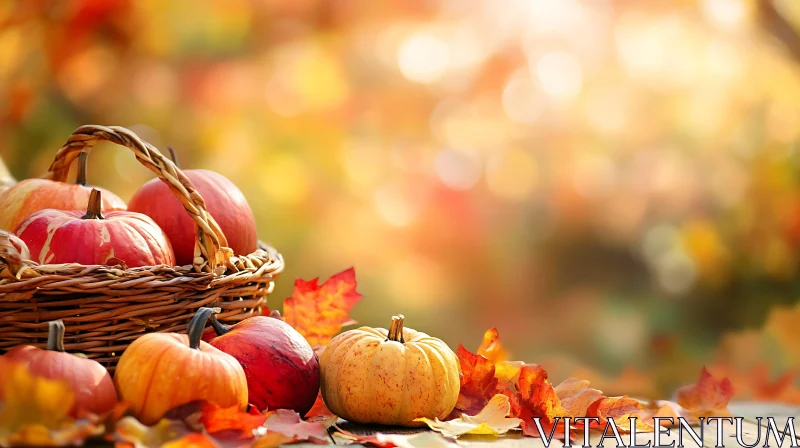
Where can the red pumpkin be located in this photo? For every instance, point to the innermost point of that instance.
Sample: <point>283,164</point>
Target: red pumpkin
<point>161,371</point>
<point>32,195</point>
<point>282,369</point>
<point>91,383</point>
<point>132,239</point>
<point>226,204</point>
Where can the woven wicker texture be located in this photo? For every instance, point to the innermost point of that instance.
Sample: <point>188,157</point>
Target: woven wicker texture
<point>105,308</point>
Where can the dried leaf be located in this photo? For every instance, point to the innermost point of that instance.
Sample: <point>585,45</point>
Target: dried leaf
<point>620,409</point>
<point>535,397</point>
<point>193,440</point>
<point>290,424</point>
<point>576,396</point>
<point>491,347</point>
<point>229,423</point>
<point>381,440</point>
<point>478,382</point>
<point>35,410</point>
<point>130,431</point>
<point>318,312</point>
<point>320,413</point>
<point>707,397</point>
<point>271,439</point>
<point>491,420</point>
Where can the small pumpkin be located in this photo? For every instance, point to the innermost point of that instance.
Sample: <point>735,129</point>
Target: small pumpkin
<point>161,371</point>
<point>91,383</point>
<point>32,195</point>
<point>121,237</point>
<point>390,377</point>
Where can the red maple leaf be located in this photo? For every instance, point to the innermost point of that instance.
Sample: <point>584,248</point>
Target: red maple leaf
<point>535,397</point>
<point>707,396</point>
<point>478,383</point>
<point>318,312</point>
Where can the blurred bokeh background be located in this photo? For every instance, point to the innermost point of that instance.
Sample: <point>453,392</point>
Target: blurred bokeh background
<point>614,185</point>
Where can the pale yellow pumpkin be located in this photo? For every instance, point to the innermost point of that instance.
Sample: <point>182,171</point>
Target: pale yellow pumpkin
<point>390,377</point>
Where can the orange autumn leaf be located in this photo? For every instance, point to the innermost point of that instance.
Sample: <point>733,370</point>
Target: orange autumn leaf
<point>535,397</point>
<point>491,347</point>
<point>478,382</point>
<point>576,396</point>
<point>320,413</point>
<point>216,419</point>
<point>192,440</point>
<point>289,423</point>
<point>708,396</point>
<point>620,409</point>
<point>318,312</point>
<point>506,371</point>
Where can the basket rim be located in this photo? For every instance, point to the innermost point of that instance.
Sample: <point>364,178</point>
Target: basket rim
<point>265,260</point>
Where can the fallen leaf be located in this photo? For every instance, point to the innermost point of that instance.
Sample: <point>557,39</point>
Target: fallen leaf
<point>427,439</point>
<point>664,409</point>
<point>491,420</point>
<point>576,396</point>
<point>707,397</point>
<point>290,424</point>
<point>216,419</point>
<point>478,382</point>
<point>620,409</point>
<point>535,397</point>
<point>507,372</point>
<point>271,439</point>
<point>491,347</point>
<point>318,312</point>
<point>320,413</point>
<point>35,410</point>
<point>193,440</point>
<point>133,433</point>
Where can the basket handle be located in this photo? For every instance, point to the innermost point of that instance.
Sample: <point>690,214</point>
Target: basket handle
<point>211,253</point>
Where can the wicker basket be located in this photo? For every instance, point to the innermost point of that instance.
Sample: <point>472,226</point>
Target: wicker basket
<point>105,308</point>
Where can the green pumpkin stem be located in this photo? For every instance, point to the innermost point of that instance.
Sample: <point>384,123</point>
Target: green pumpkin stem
<point>218,326</point>
<point>55,336</point>
<point>83,162</point>
<point>396,329</point>
<point>93,211</point>
<point>173,155</point>
<point>197,325</point>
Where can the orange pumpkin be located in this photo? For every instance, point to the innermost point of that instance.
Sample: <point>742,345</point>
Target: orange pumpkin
<point>90,381</point>
<point>32,195</point>
<point>161,371</point>
<point>371,375</point>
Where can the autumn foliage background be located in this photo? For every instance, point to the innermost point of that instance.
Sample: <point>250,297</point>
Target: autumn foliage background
<point>614,185</point>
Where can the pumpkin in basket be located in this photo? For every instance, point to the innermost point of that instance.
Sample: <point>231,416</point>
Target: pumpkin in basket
<point>281,368</point>
<point>121,237</point>
<point>371,375</point>
<point>32,195</point>
<point>90,382</point>
<point>223,200</point>
<point>161,371</point>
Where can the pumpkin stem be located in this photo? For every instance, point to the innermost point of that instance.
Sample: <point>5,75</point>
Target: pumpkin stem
<point>197,325</point>
<point>173,156</point>
<point>396,329</point>
<point>219,328</point>
<point>83,162</point>
<point>55,337</point>
<point>95,205</point>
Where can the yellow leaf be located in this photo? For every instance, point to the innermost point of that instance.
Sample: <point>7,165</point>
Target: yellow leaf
<point>491,420</point>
